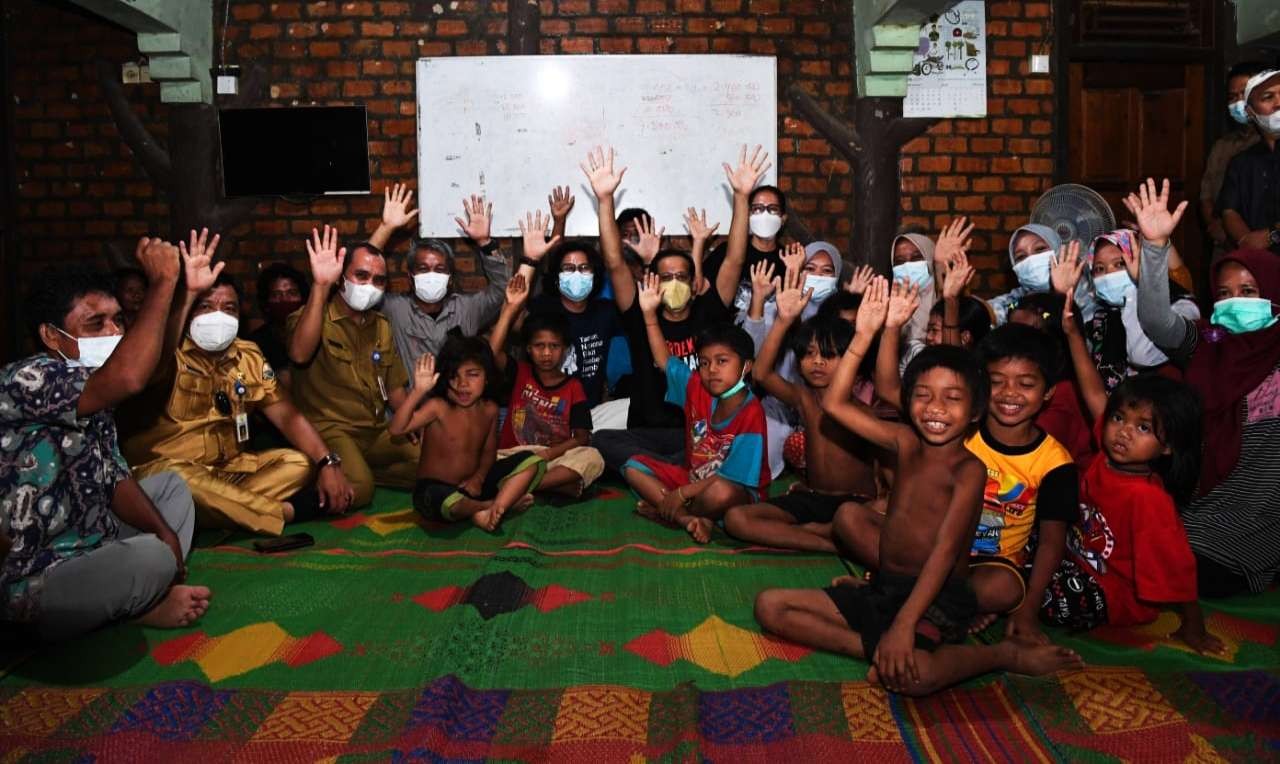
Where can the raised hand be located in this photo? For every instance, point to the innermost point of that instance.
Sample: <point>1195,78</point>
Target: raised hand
<point>904,298</point>
<point>874,308</point>
<point>479,220</point>
<point>327,259</point>
<point>534,230</point>
<point>395,206</point>
<point>952,240</point>
<point>600,173</point>
<point>1069,327</point>
<point>1131,256</point>
<point>959,274</point>
<point>762,281</point>
<point>560,200</point>
<point>1065,269</point>
<point>793,256</point>
<point>1151,209</point>
<point>744,177</point>
<point>197,261</point>
<point>650,294</point>
<point>158,259</point>
<point>650,242</point>
<point>517,291</point>
<point>862,276</point>
<point>697,225</point>
<point>792,297</point>
<point>425,375</point>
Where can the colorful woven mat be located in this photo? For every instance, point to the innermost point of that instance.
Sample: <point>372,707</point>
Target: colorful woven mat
<point>586,632</point>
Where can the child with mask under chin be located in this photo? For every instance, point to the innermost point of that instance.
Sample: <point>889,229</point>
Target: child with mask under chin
<point>822,267</point>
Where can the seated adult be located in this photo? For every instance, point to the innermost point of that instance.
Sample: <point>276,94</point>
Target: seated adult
<point>1233,361</point>
<point>194,419</point>
<point>766,217</point>
<point>129,287</point>
<point>421,319</point>
<point>1250,198</point>
<point>282,289</point>
<point>83,543</point>
<point>654,427</point>
<point>347,371</point>
<point>1241,134</point>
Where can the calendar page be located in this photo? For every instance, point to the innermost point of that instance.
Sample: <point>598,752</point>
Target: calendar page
<point>949,75</point>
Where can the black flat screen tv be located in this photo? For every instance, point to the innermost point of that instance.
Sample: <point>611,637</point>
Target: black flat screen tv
<point>302,150</point>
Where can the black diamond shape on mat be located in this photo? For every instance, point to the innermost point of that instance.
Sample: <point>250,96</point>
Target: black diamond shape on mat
<point>497,593</point>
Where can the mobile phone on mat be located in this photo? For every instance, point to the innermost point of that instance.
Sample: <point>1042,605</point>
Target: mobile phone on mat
<point>284,543</point>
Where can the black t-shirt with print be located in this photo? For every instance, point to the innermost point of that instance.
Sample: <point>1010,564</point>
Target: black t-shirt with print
<point>590,333</point>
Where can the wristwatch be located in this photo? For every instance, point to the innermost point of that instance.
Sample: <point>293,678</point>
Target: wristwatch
<point>490,248</point>
<point>531,263</point>
<point>330,459</point>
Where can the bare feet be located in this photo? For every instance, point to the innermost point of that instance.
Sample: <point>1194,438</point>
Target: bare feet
<point>873,676</point>
<point>848,581</point>
<point>980,623</point>
<point>522,503</point>
<point>489,517</point>
<point>1043,659</point>
<point>181,606</point>
<point>699,528</point>
<point>650,512</point>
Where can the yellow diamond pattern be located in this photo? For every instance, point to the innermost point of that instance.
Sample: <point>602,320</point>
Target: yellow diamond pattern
<point>242,650</point>
<point>393,522</point>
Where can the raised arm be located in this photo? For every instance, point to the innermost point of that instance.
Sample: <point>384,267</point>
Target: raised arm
<point>560,200</point>
<point>742,179</point>
<point>763,284</point>
<point>479,307</point>
<point>650,298</point>
<point>903,300</point>
<point>958,275</point>
<point>517,294</point>
<point>791,302</point>
<point>395,214</point>
<point>128,369</point>
<point>1171,332</point>
<point>410,416</point>
<point>604,182</point>
<point>198,273</point>
<point>838,401</point>
<point>326,268</point>
<point>536,243</point>
<point>1065,274</point>
<point>700,235</point>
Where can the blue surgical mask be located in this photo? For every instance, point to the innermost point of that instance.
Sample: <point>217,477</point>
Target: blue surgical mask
<point>1033,271</point>
<point>576,286</point>
<point>1243,314</point>
<point>1237,112</point>
<point>1113,287</point>
<point>822,286</point>
<point>914,272</point>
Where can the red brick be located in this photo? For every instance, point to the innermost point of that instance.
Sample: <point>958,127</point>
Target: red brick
<point>934,164</point>
<point>451,27</point>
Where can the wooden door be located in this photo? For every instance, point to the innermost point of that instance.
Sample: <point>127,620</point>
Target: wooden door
<point>1129,121</point>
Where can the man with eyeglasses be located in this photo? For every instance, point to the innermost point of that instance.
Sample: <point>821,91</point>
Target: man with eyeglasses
<point>194,419</point>
<point>654,427</point>
<point>347,372</point>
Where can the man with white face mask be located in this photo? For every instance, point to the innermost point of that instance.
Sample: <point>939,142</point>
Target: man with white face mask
<point>347,372</point>
<point>1250,198</point>
<point>1239,135</point>
<point>422,318</point>
<point>195,418</point>
<point>83,543</point>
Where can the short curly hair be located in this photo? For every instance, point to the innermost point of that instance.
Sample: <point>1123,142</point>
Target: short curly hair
<point>55,292</point>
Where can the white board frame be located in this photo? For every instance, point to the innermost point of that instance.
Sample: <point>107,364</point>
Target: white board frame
<point>679,118</point>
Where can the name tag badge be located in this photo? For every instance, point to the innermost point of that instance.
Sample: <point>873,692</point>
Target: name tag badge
<point>242,427</point>
<point>382,387</point>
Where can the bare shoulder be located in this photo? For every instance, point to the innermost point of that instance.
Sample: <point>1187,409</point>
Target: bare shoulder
<point>969,468</point>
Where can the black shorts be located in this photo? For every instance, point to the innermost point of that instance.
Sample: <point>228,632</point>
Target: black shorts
<point>870,610</point>
<point>1074,599</point>
<point>812,507</point>
<point>434,499</point>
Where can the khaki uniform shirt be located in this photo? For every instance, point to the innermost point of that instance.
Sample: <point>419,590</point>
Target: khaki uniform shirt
<point>178,417</point>
<point>354,368</point>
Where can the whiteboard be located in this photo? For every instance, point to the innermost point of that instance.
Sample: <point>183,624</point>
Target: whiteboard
<point>511,127</point>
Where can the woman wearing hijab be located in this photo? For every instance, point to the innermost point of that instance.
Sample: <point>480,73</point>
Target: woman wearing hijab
<point>913,262</point>
<point>1233,362</point>
<point>1031,251</point>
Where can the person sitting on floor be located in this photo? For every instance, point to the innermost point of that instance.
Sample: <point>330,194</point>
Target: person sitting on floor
<point>194,417</point>
<point>83,543</point>
<point>548,413</point>
<point>909,621</point>
<point>460,476</point>
<point>282,289</point>
<point>725,456</point>
<point>347,371</point>
<point>841,465</point>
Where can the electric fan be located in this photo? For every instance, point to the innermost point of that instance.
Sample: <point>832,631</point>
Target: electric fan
<point>1074,212</point>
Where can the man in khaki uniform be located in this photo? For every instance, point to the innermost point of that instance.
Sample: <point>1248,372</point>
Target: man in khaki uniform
<point>194,420</point>
<point>347,372</point>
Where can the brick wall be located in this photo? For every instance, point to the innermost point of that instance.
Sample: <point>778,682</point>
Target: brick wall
<point>79,189</point>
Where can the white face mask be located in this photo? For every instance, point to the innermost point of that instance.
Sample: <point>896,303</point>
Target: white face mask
<point>214,332</point>
<point>822,286</point>
<point>1268,123</point>
<point>430,287</point>
<point>360,297</point>
<point>1033,271</point>
<point>765,225</point>
<point>94,351</point>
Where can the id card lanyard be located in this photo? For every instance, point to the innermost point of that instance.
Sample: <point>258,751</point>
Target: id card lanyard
<point>377,374</point>
<point>242,417</point>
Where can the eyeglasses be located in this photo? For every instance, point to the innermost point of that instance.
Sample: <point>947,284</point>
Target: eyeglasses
<point>580,268</point>
<point>772,209</point>
<point>222,402</point>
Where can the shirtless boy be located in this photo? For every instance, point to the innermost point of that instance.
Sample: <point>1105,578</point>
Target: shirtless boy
<point>839,463</point>
<point>908,622</point>
<point>459,474</point>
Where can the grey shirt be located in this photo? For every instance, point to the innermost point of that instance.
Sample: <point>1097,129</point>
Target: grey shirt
<point>416,332</point>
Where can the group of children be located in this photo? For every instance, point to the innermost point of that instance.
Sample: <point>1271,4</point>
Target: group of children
<point>945,485</point>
